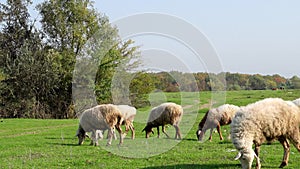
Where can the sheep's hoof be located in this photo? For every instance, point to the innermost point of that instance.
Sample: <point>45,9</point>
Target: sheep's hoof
<point>283,164</point>
<point>108,144</point>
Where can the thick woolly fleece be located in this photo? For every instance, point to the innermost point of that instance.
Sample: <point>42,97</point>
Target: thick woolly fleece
<point>265,120</point>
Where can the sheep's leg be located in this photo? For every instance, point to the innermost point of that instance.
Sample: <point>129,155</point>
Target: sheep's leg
<point>164,131</point>
<point>100,134</point>
<point>92,136</point>
<point>219,131</point>
<point>295,139</point>
<point>210,134</point>
<point>109,135</point>
<point>286,147</point>
<point>132,131</point>
<point>157,131</point>
<point>119,129</point>
<point>178,134</point>
<point>256,151</point>
<point>127,128</point>
<point>96,139</point>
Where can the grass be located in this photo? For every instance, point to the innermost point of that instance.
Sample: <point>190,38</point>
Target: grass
<point>30,143</point>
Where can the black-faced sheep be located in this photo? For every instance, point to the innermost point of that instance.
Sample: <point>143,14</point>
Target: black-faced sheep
<point>266,120</point>
<point>101,117</point>
<point>166,113</point>
<point>215,118</point>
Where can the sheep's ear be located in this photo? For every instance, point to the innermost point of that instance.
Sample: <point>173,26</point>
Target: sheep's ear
<point>238,156</point>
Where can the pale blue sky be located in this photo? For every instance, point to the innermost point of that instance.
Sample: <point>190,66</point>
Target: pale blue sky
<point>249,36</point>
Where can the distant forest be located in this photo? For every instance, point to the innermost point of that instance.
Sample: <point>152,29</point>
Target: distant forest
<point>191,82</point>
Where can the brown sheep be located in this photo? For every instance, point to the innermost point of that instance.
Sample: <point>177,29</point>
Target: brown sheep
<point>166,113</point>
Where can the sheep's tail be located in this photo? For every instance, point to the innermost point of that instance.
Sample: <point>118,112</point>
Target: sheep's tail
<point>176,113</point>
<point>202,122</point>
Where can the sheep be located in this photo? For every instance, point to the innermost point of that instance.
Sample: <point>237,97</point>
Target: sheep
<point>129,113</point>
<point>166,113</point>
<point>101,117</point>
<point>215,118</point>
<point>266,120</point>
<point>297,102</point>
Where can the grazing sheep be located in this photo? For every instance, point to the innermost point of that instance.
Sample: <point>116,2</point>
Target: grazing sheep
<point>215,118</point>
<point>101,117</point>
<point>266,120</point>
<point>166,113</point>
<point>129,113</point>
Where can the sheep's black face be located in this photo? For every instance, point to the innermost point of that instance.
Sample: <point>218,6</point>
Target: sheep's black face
<point>81,138</point>
<point>81,135</point>
<point>198,132</point>
<point>148,130</point>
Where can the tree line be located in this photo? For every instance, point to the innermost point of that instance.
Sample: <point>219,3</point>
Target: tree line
<point>169,81</point>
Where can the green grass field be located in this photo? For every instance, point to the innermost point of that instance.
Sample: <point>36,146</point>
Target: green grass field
<point>30,143</point>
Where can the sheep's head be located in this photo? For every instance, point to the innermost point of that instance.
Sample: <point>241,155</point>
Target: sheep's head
<point>148,130</point>
<point>246,158</point>
<point>81,135</point>
<point>198,134</point>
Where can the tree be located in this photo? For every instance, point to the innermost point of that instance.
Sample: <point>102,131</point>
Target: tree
<point>141,85</point>
<point>75,29</point>
<point>27,72</point>
<point>67,25</point>
<point>118,61</point>
<point>257,82</point>
<point>295,82</point>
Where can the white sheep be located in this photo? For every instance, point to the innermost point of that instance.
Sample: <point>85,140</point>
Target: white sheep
<point>266,120</point>
<point>101,117</point>
<point>166,113</point>
<point>215,118</point>
<point>297,102</point>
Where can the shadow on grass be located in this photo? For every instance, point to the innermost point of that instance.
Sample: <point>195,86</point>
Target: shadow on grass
<point>60,138</point>
<point>66,144</point>
<point>225,142</point>
<point>190,139</point>
<point>196,166</point>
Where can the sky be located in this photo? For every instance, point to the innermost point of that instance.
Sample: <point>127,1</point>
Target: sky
<point>247,36</point>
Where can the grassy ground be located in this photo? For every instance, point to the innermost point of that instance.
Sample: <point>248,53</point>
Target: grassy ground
<point>29,143</point>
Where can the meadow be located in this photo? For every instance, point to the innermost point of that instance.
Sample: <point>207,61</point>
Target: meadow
<point>37,143</point>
